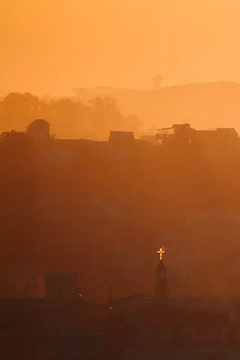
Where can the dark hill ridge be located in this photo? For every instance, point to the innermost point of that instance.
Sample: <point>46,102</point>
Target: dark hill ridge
<point>206,105</point>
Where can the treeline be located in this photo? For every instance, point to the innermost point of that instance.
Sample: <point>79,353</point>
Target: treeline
<point>69,118</point>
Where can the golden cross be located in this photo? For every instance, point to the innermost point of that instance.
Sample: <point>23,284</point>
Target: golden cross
<point>161,252</point>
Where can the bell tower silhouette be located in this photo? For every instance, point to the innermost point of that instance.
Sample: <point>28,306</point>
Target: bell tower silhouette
<point>161,288</point>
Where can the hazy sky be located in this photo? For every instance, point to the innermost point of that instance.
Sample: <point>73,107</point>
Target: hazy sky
<point>52,46</point>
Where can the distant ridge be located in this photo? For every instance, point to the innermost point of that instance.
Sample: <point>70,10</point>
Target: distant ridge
<point>210,104</point>
<point>112,89</point>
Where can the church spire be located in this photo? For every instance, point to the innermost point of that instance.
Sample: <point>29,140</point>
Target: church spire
<point>161,293</point>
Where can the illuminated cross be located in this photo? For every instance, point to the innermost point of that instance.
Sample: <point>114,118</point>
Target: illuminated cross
<point>161,252</point>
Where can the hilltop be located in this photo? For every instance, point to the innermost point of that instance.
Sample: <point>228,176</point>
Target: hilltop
<point>206,105</point>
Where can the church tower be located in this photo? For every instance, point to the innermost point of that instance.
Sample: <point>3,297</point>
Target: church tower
<point>161,291</point>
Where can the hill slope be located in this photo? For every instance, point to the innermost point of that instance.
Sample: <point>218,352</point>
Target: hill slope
<point>206,105</point>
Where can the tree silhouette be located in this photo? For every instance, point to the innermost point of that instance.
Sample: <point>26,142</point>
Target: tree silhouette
<point>17,110</point>
<point>68,117</point>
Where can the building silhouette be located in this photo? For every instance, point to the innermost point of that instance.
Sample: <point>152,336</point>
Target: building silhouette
<point>161,291</point>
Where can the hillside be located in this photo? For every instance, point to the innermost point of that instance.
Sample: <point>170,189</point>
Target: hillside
<point>206,105</point>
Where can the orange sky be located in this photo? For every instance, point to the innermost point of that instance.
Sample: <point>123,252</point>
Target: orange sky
<point>52,46</point>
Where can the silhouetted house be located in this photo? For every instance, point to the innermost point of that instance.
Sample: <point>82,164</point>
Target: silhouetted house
<point>176,132</point>
<point>219,142</point>
<point>122,145</point>
<point>215,142</point>
<point>39,130</point>
<point>228,138</point>
<point>121,137</point>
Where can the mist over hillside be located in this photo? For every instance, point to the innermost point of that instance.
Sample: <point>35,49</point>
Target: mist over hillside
<point>206,105</point>
<point>93,113</point>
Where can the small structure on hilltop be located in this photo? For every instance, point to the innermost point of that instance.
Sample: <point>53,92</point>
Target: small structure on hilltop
<point>157,80</point>
<point>122,145</point>
<point>39,129</point>
<point>121,137</point>
<point>167,135</point>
